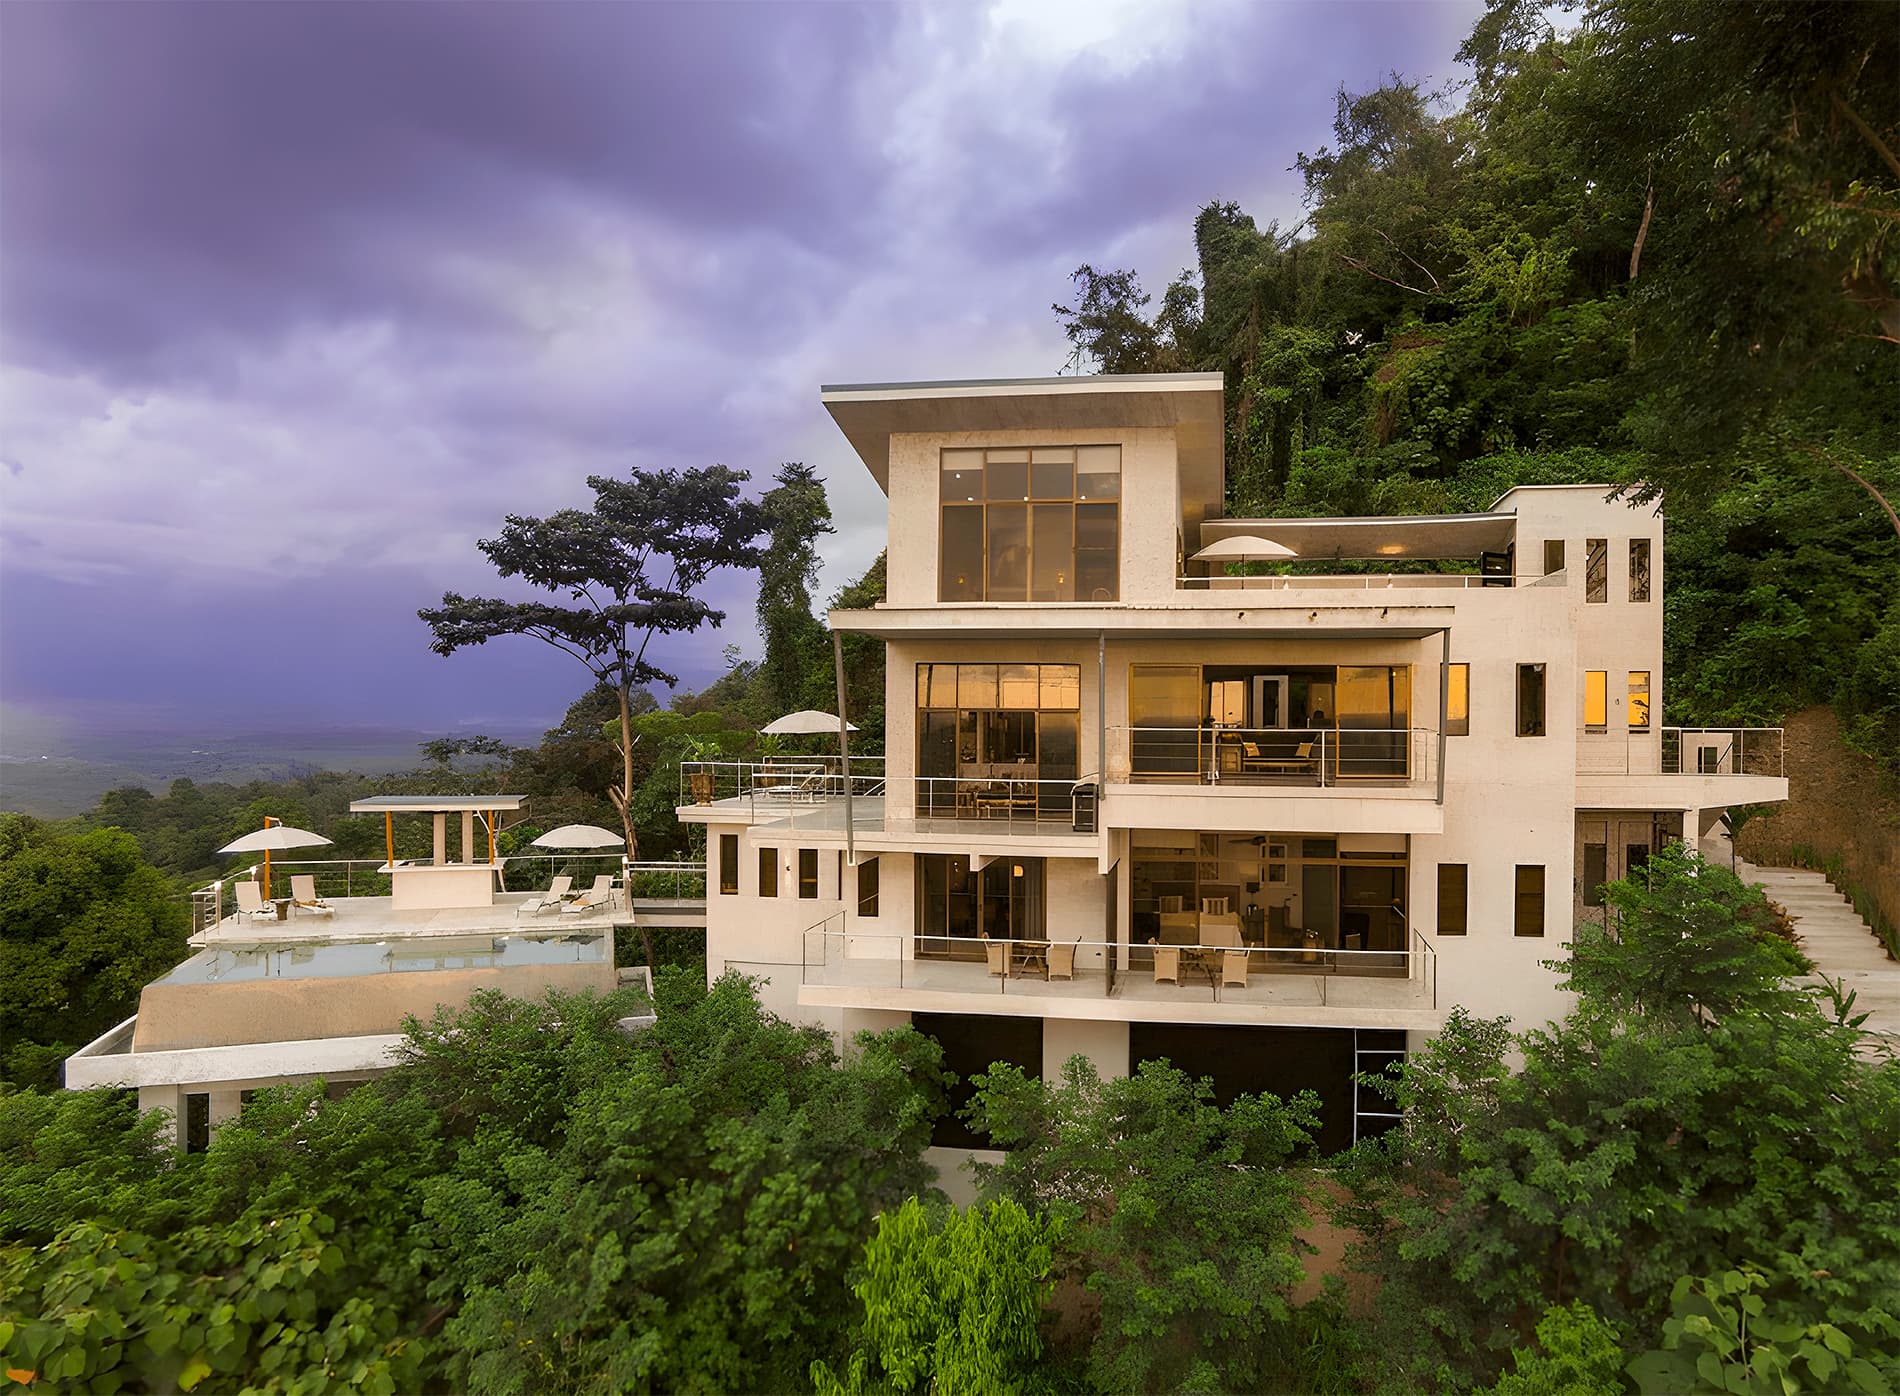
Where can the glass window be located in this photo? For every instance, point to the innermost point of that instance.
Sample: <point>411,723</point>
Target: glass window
<point>1553,555</point>
<point>768,872</point>
<point>1639,700</point>
<point>1458,701</point>
<point>197,1121</point>
<point>1596,569</point>
<point>1164,715</point>
<point>1596,700</point>
<point>1453,887</point>
<point>1529,914</point>
<point>1061,686</point>
<point>728,865</point>
<point>1530,700</point>
<point>1639,569</point>
<point>976,686</point>
<point>808,874</point>
<point>936,685</point>
<point>1008,542</point>
<point>1596,872</point>
<point>960,576</point>
<point>997,546</point>
<point>867,887</point>
<point>1021,685</point>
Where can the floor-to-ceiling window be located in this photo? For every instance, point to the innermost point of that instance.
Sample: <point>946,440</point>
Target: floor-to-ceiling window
<point>956,907</point>
<point>996,737</point>
<point>1030,524</point>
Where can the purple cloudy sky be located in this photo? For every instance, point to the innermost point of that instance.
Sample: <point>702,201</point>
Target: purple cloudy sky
<point>297,300</point>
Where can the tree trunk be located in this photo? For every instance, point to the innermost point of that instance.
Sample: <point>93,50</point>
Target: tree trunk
<point>624,801</point>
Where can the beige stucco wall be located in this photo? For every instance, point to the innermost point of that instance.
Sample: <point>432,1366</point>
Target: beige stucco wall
<point>173,1016</point>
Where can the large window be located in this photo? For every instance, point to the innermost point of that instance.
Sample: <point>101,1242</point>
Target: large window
<point>1458,701</point>
<point>1270,722</point>
<point>1030,524</point>
<point>1453,887</point>
<point>956,907</point>
<point>1530,700</point>
<point>979,725</point>
<point>1528,918</point>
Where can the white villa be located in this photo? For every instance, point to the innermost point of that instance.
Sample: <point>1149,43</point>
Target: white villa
<point>1142,801</point>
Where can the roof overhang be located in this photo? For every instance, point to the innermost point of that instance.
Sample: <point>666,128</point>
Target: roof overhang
<point>1417,536</point>
<point>1192,404</point>
<point>435,804</point>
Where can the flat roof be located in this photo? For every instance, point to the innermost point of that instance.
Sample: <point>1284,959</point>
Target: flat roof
<point>1238,615</point>
<point>435,804</point>
<point>1422,536</point>
<point>1190,404</point>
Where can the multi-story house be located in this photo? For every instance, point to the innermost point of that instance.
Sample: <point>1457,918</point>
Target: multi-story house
<point>1265,797</point>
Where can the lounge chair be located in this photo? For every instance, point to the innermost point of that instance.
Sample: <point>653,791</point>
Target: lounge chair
<point>1062,959</point>
<point>1168,964</point>
<point>599,895</point>
<point>1252,762</point>
<point>1233,968</point>
<point>997,953</point>
<point>250,899</point>
<point>549,900</point>
<point>303,896</point>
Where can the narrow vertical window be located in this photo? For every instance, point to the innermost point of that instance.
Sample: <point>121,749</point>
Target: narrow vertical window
<point>1530,700</point>
<point>1553,555</point>
<point>1528,919</point>
<point>1596,569</point>
<point>1458,701</point>
<point>768,872</point>
<point>197,1122</point>
<point>1596,700</point>
<point>728,865</point>
<point>1453,889</point>
<point>1596,872</point>
<point>867,887</point>
<point>1639,569</point>
<point>808,874</point>
<point>1639,700</point>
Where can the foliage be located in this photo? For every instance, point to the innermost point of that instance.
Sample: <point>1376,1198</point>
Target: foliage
<point>1179,1215</point>
<point>632,567</point>
<point>78,1154</point>
<point>1577,1354</point>
<point>263,1304</point>
<point>85,923</point>
<point>1637,1143</point>
<point>952,1302</point>
<point>1744,1332</point>
<point>797,646</point>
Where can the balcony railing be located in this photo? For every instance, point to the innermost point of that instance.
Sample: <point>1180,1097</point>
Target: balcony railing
<point>837,956</point>
<point>1364,581</point>
<point>780,779</point>
<point>1686,751</point>
<point>1275,756</point>
<point>805,795</point>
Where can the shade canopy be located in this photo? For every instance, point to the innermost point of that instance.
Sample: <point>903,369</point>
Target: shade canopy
<point>274,840</point>
<point>808,722</point>
<point>579,836</point>
<point>1243,547</point>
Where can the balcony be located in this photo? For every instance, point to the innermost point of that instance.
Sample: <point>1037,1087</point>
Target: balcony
<point>1354,759</point>
<point>1682,767</point>
<point>1080,978</point>
<point>354,901</point>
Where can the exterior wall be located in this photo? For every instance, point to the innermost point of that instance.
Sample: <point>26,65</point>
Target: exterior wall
<point>1148,533</point>
<point>1104,1044</point>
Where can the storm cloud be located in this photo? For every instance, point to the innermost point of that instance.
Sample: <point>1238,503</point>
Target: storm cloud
<point>297,300</point>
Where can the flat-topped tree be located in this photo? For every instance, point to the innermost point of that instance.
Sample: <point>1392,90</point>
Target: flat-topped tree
<point>631,568</point>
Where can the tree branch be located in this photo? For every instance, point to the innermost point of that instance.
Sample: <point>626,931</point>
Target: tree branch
<point>1872,136</point>
<point>1642,232</point>
<point>1822,456</point>
<point>1360,266</point>
<point>1410,258</point>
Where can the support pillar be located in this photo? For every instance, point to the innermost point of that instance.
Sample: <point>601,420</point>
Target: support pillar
<point>441,839</point>
<point>468,836</point>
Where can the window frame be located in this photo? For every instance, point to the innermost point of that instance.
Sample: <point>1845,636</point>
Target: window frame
<point>868,900</point>
<point>1540,727</point>
<point>1640,588</point>
<point>1596,700</point>
<point>807,857</point>
<point>1596,571</point>
<point>1458,700</point>
<point>768,872</point>
<point>974,528</point>
<point>728,865</point>
<point>1634,705</point>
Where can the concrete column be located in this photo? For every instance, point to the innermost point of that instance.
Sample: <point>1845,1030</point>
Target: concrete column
<point>857,1020</point>
<point>468,836</point>
<point>172,1101</point>
<point>1104,1044</point>
<point>226,1104</point>
<point>441,839</point>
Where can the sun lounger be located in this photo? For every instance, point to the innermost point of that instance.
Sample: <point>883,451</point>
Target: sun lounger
<point>549,900</point>
<point>599,895</point>
<point>250,899</point>
<point>303,896</point>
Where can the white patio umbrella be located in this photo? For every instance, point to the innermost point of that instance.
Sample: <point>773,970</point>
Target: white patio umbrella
<point>274,837</point>
<point>806,722</point>
<point>1243,547</point>
<point>579,836</point>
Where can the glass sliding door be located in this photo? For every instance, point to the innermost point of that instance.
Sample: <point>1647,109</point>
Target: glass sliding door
<point>956,907</point>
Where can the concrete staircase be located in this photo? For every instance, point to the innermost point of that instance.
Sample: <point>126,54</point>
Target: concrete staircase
<point>1841,945</point>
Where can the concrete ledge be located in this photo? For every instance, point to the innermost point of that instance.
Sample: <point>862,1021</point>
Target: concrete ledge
<point>1032,1005</point>
<point>91,1066</point>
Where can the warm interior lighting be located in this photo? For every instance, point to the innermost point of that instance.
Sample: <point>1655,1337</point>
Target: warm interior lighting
<point>1016,870</point>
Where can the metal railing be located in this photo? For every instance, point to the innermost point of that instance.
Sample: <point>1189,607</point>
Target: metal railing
<point>1360,581</point>
<point>916,804</point>
<point>1006,801</point>
<point>677,879</point>
<point>789,779</point>
<point>1685,751</point>
<point>1218,755</point>
<point>833,953</point>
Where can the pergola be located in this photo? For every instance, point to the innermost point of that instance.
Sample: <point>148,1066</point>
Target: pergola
<point>441,883</point>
